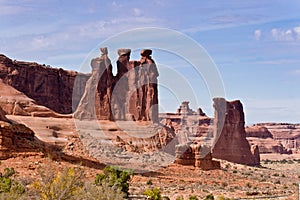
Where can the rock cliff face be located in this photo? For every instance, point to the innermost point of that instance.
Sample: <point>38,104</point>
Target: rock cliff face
<point>232,144</point>
<point>285,137</point>
<point>14,102</point>
<point>50,87</point>
<point>258,132</point>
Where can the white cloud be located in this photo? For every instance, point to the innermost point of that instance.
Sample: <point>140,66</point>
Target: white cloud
<point>296,72</point>
<point>46,41</point>
<point>107,28</point>
<point>297,32</point>
<point>11,9</point>
<point>257,34</point>
<point>276,62</point>
<point>137,12</point>
<point>283,35</point>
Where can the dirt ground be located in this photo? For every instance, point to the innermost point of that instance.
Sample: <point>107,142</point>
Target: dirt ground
<point>278,177</point>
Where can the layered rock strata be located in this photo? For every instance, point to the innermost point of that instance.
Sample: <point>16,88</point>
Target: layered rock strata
<point>50,87</point>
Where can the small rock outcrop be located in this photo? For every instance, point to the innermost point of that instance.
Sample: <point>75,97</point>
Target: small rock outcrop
<point>197,155</point>
<point>231,143</point>
<point>2,116</point>
<point>17,139</point>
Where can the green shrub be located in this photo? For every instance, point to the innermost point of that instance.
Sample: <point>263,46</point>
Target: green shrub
<point>5,184</point>
<point>65,185</point>
<point>8,172</point>
<point>154,194</point>
<point>10,189</point>
<point>193,197</point>
<point>209,197</point>
<point>103,192</point>
<point>115,178</point>
<point>180,197</point>
<point>149,182</point>
<point>249,185</point>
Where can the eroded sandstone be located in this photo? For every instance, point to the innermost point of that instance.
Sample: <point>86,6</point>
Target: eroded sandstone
<point>231,144</point>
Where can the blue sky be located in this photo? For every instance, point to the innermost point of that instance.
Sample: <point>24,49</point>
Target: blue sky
<point>255,45</point>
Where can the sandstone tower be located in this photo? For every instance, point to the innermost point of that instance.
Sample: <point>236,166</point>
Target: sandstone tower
<point>130,95</point>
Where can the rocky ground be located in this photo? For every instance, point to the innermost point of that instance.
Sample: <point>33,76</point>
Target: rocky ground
<point>277,177</point>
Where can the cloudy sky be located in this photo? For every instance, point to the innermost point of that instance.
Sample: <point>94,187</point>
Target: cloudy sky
<point>255,44</point>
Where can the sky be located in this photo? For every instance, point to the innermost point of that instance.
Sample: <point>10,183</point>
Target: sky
<point>254,45</point>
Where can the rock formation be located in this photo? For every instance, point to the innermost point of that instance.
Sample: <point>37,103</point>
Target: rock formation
<point>14,102</point>
<point>95,102</point>
<point>285,137</point>
<point>231,144</point>
<point>192,154</point>
<point>258,132</point>
<point>277,138</point>
<point>2,116</point>
<point>135,97</point>
<point>16,139</point>
<point>50,87</point>
<point>164,139</point>
<point>130,95</point>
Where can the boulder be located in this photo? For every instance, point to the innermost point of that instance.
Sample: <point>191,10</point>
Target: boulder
<point>2,116</point>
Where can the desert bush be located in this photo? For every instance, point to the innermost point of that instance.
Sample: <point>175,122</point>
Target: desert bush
<point>209,197</point>
<point>103,192</point>
<point>193,197</point>
<point>149,182</point>
<point>10,188</point>
<point>154,194</point>
<point>180,197</point>
<point>115,178</point>
<point>8,172</point>
<point>248,185</point>
<point>222,197</point>
<point>276,174</point>
<point>65,185</point>
<point>7,184</point>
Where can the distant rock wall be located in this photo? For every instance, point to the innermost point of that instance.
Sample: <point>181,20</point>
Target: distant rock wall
<point>50,87</point>
<point>285,137</point>
<point>232,144</point>
<point>258,132</point>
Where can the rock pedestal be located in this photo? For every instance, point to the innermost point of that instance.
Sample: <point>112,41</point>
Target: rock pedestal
<point>230,134</point>
<point>191,155</point>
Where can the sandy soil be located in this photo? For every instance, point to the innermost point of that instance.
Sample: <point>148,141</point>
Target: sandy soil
<point>272,180</point>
